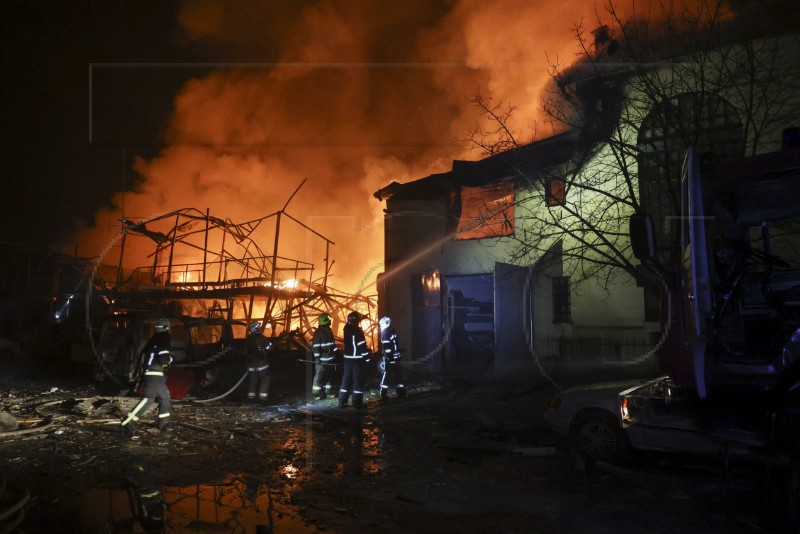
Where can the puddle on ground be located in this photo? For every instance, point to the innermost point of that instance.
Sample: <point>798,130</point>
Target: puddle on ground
<point>352,448</point>
<point>235,504</point>
<point>155,495</point>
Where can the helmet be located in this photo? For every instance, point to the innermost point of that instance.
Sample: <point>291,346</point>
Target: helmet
<point>353,318</point>
<point>324,319</point>
<point>254,327</point>
<point>162,325</point>
<point>385,322</point>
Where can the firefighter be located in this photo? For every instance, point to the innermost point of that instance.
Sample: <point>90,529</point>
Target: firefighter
<point>392,372</point>
<point>158,359</point>
<point>355,354</point>
<point>323,347</point>
<point>143,482</point>
<point>258,349</point>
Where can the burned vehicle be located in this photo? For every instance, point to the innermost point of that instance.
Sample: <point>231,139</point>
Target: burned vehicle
<point>199,346</point>
<point>208,353</point>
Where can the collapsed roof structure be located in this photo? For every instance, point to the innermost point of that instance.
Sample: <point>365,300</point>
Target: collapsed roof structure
<point>191,262</point>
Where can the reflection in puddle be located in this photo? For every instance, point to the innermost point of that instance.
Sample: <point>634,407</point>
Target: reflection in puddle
<point>290,471</point>
<point>236,504</point>
<point>155,497</point>
<point>372,450</point>
<point>355,447</point>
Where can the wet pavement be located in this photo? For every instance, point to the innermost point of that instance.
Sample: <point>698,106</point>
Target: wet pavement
<point>451,457</point>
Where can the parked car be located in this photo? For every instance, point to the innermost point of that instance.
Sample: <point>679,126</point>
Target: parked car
<point>607,421</point>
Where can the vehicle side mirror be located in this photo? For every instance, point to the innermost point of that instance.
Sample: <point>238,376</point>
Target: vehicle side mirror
<point>643,237</point>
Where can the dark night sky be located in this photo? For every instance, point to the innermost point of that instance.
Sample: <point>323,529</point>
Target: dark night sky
<point>52,173</point>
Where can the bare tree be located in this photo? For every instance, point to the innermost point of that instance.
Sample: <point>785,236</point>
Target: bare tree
<point>641,92</point>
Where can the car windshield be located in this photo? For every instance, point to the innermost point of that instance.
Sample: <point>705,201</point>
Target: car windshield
<point>660,397</point>
<point>239,331</point>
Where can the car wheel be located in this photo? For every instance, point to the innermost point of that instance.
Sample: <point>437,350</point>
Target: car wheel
<point>599,438</point>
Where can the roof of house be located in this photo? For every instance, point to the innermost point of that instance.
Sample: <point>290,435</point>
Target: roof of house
<point>496,168</point>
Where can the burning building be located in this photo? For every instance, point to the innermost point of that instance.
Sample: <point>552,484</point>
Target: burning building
<point>446,283</point>
<point>501,263</point>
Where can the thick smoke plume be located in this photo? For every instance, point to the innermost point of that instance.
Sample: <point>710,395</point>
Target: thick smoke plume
<point>349,95</point>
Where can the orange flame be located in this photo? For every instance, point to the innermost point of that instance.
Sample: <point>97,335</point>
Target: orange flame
<point>349,95</point>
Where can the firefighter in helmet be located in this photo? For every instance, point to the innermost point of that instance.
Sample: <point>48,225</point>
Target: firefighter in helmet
<point>356,354</point>
<point>258,349</point>
<point>392,374</point>
<point>323,347</point>
<point>157,359</point>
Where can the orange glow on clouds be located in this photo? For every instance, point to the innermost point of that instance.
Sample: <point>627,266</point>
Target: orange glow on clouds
<point>350,95</point>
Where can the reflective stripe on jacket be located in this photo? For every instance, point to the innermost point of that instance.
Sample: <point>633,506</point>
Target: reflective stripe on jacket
<point>323,345</point>
<point>355,344</point>
<point>389,343</point>
<point>158,354</point>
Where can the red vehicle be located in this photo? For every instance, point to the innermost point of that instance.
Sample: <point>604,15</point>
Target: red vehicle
<point>198,345</point>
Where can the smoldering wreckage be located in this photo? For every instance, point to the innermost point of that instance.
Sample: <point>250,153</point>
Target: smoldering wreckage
<point>227,464</point>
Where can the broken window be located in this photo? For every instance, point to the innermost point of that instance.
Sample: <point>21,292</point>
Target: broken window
<point>486,211</point>
<point>555,192</point>
<point>205,334</point>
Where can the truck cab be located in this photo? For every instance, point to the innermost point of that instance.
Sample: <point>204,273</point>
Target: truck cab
<point>731,308</point>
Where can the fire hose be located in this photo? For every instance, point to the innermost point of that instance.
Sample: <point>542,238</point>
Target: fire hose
<point>242,380</point>
<point>11,504</point>
<point>317,363</point>
<point>227,392</point>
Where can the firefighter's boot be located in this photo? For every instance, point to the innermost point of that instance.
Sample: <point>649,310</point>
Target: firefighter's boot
<point>384,393</point>
<point>342,399</point>
<point>358,401</point>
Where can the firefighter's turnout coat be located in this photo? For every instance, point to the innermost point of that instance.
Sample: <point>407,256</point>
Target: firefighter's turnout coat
<point>355,354</point>
<point>323,347</point>
<point>392,372</point>
<point>258,350</point>
<point>157,359</point>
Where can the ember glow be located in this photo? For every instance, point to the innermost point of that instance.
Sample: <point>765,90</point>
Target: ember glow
<point>348,95</point>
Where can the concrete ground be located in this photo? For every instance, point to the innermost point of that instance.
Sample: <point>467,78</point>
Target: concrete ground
<point>454,456</point>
